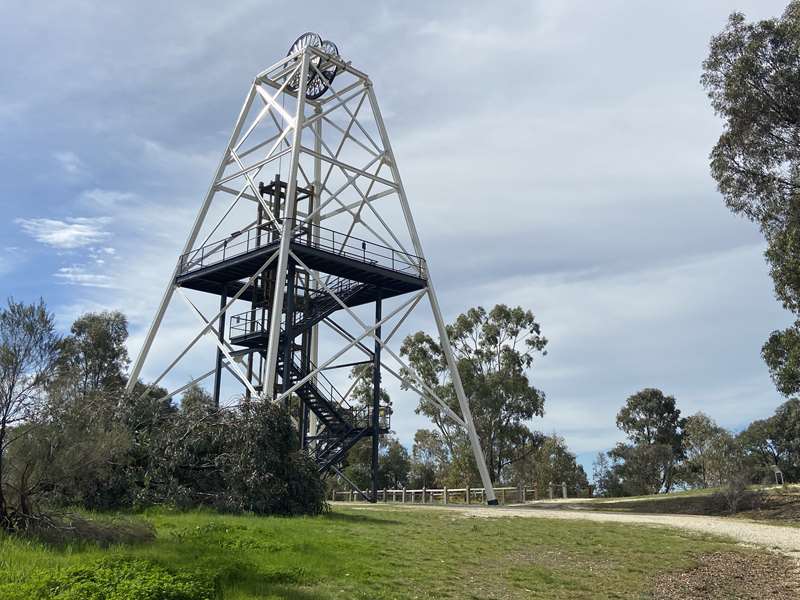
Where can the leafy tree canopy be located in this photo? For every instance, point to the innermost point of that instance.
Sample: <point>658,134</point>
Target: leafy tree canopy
<point>752,75</point>
<point>494,351</point>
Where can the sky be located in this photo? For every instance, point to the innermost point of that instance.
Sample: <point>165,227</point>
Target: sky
<point>555,156</point>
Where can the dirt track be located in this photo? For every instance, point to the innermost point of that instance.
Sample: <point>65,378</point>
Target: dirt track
<point>774,537</point>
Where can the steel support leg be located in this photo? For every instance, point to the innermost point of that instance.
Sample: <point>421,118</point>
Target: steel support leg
<point>288,343</point>
<point>223,300</point>
<point>376,402</point>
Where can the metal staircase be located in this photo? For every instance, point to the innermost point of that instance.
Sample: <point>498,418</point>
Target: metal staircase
<point>251,328</point>
<point>341,425</point>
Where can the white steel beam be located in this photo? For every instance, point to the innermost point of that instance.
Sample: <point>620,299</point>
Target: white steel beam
<point>286,234</point>
<point>205,329</point>
<point>367,332</point>
<point>223,347</point>
<point>444,339</point>
<point>190,240</point>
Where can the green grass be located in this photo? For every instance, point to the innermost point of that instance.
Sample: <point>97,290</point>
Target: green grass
<point>351,553</point>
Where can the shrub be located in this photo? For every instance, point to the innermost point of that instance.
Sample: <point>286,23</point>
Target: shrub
<point>265,471</point>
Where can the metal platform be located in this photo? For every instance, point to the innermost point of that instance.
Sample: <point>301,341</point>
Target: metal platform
<point>216,265</point>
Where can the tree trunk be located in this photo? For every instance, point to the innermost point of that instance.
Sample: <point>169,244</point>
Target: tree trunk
<point>4,516</point>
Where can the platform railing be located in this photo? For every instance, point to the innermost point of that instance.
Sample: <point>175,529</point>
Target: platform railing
<point>254,320</point>
<point>307,234</point>
<point>358,416</point>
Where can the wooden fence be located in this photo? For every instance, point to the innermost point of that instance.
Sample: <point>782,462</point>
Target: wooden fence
<point>465,495</point>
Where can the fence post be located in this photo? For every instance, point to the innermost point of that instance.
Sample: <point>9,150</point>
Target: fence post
<point>445,494</point>
<point>502,495</point>
<point>535,491</point>
<point>351,495</point>
<point>385,495</point>
<point>550,490</point>
<point>564,489</point>
<point>523,494</point>
<point>467,494</point>
<point>404,494</point>
<point>423,494</point>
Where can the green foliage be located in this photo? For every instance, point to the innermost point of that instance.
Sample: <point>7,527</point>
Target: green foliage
<point>607,481</point>
<point>431,465</point>
<point>736,473</point>
<point>28,354</point>
<point>781,352</point>
<point>263,468</point>
<point>649,462</point>
<point>89,444</point>
<point>775,442</point>
<point>494,351</point>
<point>710,456</point>
<point>394,465</point>
<point>119,579</point>
<point>753,80</point>
<point>245,460</point>
<point>549,461</point>
<point>705,446</point>
<point>94,357</point>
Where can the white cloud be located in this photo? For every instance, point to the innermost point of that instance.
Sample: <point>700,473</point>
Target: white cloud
<point>77,275</point>
<point>68,234</point>
<point>576,187</point>
<point>106,198</point>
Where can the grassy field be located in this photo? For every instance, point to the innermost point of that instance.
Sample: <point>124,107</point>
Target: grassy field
<point>353,553</point>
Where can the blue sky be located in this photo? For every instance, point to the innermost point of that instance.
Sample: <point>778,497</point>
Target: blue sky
<point>554,154</point>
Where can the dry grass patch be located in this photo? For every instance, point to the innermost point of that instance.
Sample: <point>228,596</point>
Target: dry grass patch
<point>727,575</point>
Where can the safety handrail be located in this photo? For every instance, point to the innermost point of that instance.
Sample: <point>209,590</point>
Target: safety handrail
<point>307,234</point>
<point>254,320</point>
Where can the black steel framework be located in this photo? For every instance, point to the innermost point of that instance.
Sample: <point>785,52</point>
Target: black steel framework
<point>359,272</point>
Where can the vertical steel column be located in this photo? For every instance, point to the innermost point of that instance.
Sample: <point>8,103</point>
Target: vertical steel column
<point>286,233</point>
<point>260,216</point>
<point>376,401</point>
<point>288,343</point>
<point>444,339</point>
<point>311,421</point>
<point>223,300</point>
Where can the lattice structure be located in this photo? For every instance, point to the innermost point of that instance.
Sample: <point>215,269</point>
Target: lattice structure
<point>316,267</point>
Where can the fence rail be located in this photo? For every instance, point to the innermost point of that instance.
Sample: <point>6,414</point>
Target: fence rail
<point>465,495</point>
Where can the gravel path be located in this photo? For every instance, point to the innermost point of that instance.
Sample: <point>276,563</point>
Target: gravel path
<point>774,537</point>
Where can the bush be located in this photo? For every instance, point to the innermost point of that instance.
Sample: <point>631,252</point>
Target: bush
<point>264,470</point>
<point>246,460</point>
<point>736,473</point>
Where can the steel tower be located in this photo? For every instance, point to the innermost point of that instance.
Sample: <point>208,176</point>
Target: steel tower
<point>313,265</point>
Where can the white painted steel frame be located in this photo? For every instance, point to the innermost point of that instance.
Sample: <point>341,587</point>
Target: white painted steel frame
<point>278,77</point>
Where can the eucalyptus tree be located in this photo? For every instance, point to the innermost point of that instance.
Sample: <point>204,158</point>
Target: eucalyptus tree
<point>653,424</point>
<point>29,350</point>
<point>495,351</point>
<point>752,75</point>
